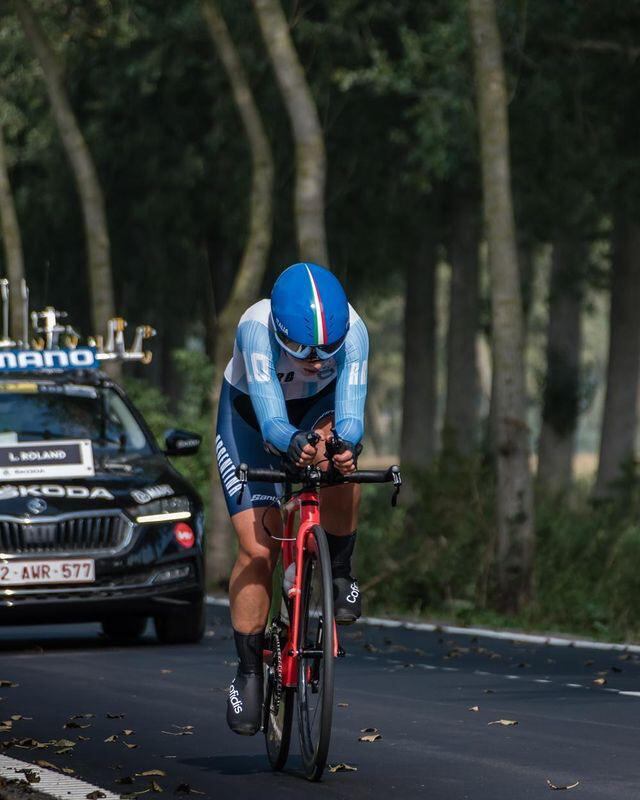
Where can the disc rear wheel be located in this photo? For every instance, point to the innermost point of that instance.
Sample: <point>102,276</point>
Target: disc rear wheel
<point>316,662</point>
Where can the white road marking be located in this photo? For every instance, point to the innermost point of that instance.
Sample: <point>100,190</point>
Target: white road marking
<point>489,633</point>
<point>553,641</point>
<point>55,784</point>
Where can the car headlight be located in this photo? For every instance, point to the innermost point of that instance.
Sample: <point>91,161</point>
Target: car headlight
<point>168,509</point>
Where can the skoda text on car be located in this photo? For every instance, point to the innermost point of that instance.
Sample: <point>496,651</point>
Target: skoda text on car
<point>95,523</point>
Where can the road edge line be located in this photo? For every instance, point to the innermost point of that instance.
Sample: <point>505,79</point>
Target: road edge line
<point>489,633</point>
<point>51,783</point>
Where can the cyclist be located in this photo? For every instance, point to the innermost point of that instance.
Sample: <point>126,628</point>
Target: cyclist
<point>299,365</point>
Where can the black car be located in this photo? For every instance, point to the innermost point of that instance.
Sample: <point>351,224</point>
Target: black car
<point>95,523</point>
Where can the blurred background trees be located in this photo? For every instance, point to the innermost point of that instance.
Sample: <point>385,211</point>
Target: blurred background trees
<point>389,136</point>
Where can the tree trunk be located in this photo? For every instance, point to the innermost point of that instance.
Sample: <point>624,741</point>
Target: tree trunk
<point>307,133</point>
<point>418,439</point>
<point>461,412</point>
<point>620,419</point>
<point>84,172</point>
<point>562,386</point>
<point>515,495</point>
<point>246,284</point>
<point>12,246</point>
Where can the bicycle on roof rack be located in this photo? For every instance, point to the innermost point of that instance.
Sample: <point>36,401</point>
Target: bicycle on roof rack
<point>302,643</point>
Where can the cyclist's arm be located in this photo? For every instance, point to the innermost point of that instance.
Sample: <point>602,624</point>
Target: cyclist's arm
<point>351,387</point>
<point>259,353</point>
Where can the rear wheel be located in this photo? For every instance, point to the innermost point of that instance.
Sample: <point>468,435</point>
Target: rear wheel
<point>316,662</point>
<point>278,704</point>
<point>183,624</point>
<point>124,629</point>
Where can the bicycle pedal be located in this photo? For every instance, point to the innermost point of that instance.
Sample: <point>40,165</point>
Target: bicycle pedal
<point>341,651</point>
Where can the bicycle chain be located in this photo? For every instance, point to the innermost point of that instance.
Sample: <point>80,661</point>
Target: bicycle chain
<point>277,670</point>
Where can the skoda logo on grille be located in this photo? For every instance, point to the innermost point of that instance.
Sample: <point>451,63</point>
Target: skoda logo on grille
<point>37,505</point>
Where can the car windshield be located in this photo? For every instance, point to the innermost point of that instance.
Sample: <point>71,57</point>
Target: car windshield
<point>39,411</point>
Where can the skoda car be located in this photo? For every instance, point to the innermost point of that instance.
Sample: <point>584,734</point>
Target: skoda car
<point>95,522</point>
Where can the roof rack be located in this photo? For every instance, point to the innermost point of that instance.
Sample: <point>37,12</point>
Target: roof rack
<point>49,343</point>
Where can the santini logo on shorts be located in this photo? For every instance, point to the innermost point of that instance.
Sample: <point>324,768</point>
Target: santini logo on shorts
<point>9,492</point>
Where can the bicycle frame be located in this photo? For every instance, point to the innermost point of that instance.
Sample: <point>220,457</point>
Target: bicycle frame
<point>294,549</point>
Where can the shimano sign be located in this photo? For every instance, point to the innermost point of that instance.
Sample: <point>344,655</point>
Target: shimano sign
<point>31,360</point>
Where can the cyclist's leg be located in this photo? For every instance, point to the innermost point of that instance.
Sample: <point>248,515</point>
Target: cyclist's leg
<point>237,441</point>
<point>250,584</point>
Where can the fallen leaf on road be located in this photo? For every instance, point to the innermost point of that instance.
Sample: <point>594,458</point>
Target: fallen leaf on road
<point>83,716</point>
<point>8,684</point>
<point>370,735</point>
<point>62,743</point>
<point>72,724</point>
<point>30,775</point>
<point>474,708</point>
<point>343,705</point>
<point>505,722</point>
<point>64,750</point>
<point>155,787</point>
<point>127,732</point>
<point>47,765</point>
<point>130,746</point>
<point>84,738</point>
<point>151,773</point>
<point>489,691</point>
<point>342,768</point>
<point>18,717</point>
<point>570,786</point>
<point>600,681</point>
<point>68,771</point>
<point>95,795</point>
<point>115,716</point>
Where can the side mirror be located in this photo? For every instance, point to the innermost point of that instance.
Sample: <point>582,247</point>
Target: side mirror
<point>181,443</point>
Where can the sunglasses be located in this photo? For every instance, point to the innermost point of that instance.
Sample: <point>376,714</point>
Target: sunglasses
<point>321,351</point>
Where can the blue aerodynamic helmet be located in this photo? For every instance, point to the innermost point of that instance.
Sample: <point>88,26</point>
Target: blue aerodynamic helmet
<point>310,311</point>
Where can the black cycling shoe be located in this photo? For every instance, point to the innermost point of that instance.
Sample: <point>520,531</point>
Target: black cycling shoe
<point>245,703</point>
<point>346,600</point>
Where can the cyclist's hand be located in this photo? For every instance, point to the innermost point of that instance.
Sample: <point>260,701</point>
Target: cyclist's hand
<point>345,462</point>
<point>300,451</point>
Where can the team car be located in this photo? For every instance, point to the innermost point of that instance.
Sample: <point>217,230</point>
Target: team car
<point>95,522</point>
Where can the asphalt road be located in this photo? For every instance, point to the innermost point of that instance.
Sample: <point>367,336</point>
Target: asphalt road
<point>416,688</point>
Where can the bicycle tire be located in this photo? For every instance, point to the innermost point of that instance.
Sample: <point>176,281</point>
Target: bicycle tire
<point>278,715</point>
<point>316,674</point>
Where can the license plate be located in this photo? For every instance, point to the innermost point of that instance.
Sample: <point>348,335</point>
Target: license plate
<point>73,570</point>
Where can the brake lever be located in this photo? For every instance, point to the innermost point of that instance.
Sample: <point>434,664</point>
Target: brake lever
<point>397,483</point>
<point>242,475</point>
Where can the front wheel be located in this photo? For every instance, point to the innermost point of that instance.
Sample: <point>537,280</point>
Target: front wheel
<point>316,661</point>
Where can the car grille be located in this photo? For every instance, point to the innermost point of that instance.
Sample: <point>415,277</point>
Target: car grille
<point>85,534</point>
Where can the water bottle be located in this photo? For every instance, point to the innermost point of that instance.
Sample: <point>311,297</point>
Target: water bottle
<point>289,578</point>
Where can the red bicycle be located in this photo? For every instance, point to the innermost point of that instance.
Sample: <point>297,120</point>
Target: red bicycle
<point>302,640</point>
